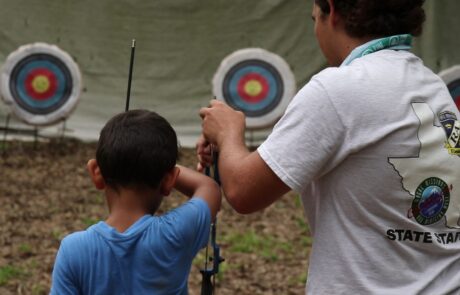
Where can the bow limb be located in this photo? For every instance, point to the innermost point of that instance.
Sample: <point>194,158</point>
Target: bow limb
<point>209,274</point>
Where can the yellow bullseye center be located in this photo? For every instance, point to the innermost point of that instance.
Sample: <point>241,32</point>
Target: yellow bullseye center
<point>41,84</point>
<point>253,88</point>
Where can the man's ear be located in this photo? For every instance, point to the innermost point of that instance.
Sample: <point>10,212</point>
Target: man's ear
<point>333,16</point>
<point>95,174</point>
<point>169,180</point>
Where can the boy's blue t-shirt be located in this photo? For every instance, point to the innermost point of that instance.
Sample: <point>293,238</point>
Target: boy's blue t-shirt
<point>153,256</point>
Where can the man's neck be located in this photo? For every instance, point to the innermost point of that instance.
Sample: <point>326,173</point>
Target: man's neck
<point>346,44</point>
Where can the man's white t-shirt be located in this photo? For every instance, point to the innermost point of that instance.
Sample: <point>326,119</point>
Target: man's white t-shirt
<point>372,148</point>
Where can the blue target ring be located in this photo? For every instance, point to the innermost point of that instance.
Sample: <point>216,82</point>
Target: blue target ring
<point>31,101</point>
<point>49,102</point>
<point>269,92</point>
<point>241,103</point>
<point>256,82</point>
<point>41,83</point>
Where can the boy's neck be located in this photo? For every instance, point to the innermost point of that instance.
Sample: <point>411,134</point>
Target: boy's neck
<point>126,206</point>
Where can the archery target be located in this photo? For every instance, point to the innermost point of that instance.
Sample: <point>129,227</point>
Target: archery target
<point>256,82</point>
<point>452,79</point>
<point>41,83</point>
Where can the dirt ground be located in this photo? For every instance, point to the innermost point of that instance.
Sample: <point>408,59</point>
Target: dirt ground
<point>46,194</point>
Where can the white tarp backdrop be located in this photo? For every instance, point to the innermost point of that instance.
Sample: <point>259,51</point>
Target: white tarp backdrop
<point>180,45</point>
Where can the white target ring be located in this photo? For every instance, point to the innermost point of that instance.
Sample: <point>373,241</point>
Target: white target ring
<point>258,83</point>
<point>451,77</point>
<point>40,83</point>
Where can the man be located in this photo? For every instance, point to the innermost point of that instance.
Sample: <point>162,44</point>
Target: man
<point>372,145</point>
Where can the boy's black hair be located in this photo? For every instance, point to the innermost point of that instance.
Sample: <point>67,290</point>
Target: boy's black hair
<point>378,18</point>
<point>136,148</point>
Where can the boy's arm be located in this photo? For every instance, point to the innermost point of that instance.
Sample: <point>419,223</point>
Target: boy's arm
<point>62,282</point>
<point>194,184</point>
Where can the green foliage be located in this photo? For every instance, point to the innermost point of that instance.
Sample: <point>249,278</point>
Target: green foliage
<point>250,242</point>
<point>223,267</point>
<point>307,241</point>
<point>9,272</point>
<point>99,199</point>
<point>199,259</point>
<point>88,221</point>
<point>298,201</point>
<point>303,225</point>
<point>25,248</point>
<point>38,289</point>
<point>300,279</point>
<point>57,234</point>
<point>33,264</point>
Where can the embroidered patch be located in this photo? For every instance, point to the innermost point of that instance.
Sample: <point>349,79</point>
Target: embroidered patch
<point>452,128</point>
<point>431,201</point>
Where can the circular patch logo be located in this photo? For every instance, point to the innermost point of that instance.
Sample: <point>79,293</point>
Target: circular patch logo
<point>431,201</point>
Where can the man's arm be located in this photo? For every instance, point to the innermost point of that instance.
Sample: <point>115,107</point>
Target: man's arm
<point>194,184</point>
<point>248,183</point>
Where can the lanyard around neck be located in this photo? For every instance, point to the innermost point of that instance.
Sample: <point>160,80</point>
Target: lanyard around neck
<point>397,42</point>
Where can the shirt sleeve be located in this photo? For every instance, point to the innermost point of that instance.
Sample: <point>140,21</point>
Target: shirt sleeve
<point>190,224</point>
<point>305,139</point>
<point>63,282</point>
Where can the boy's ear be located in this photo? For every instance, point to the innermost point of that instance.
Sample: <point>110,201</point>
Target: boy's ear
<point>95,174</point>
<point>168,182</point>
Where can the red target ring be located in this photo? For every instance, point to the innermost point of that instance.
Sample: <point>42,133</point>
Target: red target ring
<point>41,84</point>
<point>258,83</point>
<point>253,88</point>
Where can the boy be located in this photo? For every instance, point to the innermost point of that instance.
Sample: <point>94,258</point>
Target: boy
<point>133,252</point>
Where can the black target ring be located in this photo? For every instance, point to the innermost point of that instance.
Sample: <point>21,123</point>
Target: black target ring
<point>41,83</point>
<point>274,92</point>
<point>23,100</point>
<point>258,83</point>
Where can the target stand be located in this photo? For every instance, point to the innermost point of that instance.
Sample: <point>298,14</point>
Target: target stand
<point>258,83</point>
<point>41,84</point>
<point>451,77</point>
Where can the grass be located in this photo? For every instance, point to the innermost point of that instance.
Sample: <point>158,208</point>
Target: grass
<point>88,221</point>
<point>39,289</point>
<point>200,258</point>
<point>33,264</point>
<point>300,279</point>
<point>298,202</point>
<point>250,242</point>
<point>57,234</point>
<point>9,272</point>
<point>99,199</point>
<point>25,248</point>
<point>3,145</point>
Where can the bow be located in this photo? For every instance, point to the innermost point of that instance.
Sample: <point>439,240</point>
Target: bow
<point>208,273</point>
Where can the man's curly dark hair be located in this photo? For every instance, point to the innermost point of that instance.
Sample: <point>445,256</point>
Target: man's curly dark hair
<point>378,18</point>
